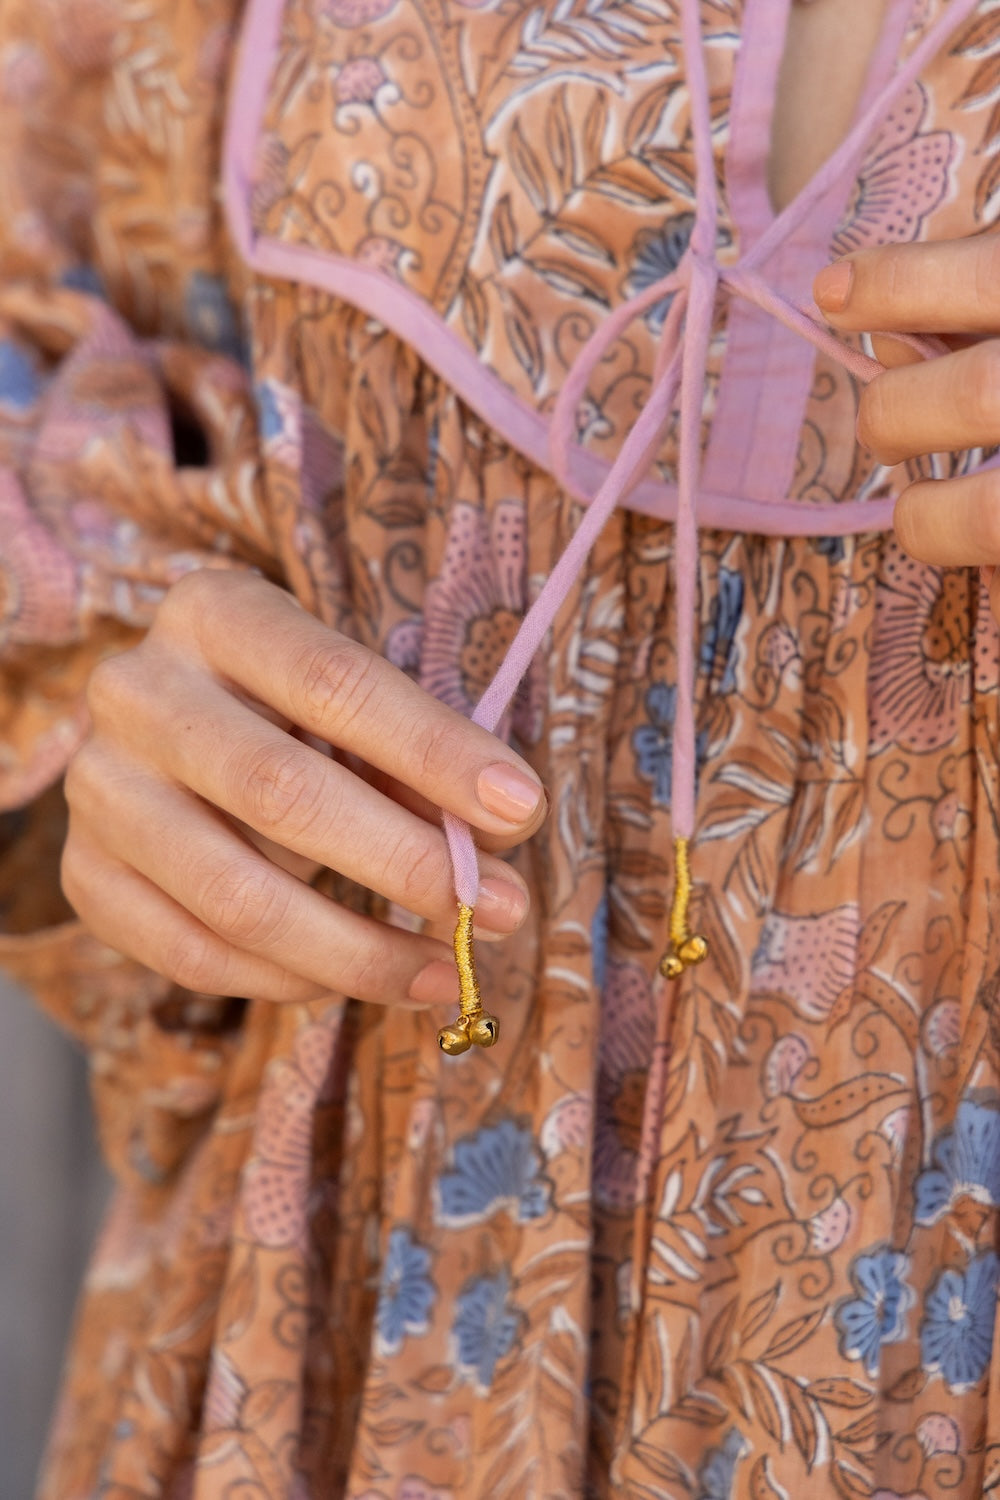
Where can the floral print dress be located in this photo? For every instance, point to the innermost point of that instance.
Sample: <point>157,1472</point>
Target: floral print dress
<point>732,1237</point>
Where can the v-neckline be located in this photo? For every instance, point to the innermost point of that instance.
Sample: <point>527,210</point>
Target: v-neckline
<point>755,79</point>
<point>765,376</point>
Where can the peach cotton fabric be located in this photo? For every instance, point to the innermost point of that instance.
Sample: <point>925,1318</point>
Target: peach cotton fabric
<point>737,1238</point>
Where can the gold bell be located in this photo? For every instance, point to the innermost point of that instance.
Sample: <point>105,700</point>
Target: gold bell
<point>484,1030</point>
<point>694,950</point>
<point>454,1039</point>
<point>686,947</point>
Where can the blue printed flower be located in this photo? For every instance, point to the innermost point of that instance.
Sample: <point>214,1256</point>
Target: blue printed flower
<point>20,385</point>
<point>966,1160</point>
<point>956,1336</point>
<point>877,1315</point>
<point>718,641</point>
<point>496,1167</point>
<point>653,743</point>
<point>486,1325</point>
<point>83,278</point>
<point>599,941</point>
<point>406,1292</point>
<point>830,547</point>
<point>268,410</point>
<point>717,1474</point>
<point>210,316</point>
<point>656,253</point>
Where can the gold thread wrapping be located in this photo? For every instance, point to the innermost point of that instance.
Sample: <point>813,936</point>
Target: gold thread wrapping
<point>679,931</point>
<point>470,1001</point>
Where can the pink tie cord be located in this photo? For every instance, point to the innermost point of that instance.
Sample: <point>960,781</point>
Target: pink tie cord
<point>680,371</point>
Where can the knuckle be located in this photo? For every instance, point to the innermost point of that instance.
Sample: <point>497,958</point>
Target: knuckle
<point>986,279</point>
<point>243,903</point>
<point>199,605</point>
<point>422,877</point>
<point>191,959</point>
<point>188,598</point>
<point>109,688</point>
<point>369,973</point>
<point>441,751</point>
<point>333,683</point>
<point>279,790</point>
<point>988,519</point>
<point>905,521</point>
<point>981,395</point>
<point>872,414</point>
<point>897,277</point>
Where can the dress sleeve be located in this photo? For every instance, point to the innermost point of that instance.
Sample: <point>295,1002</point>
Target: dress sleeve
<point>129,456</point>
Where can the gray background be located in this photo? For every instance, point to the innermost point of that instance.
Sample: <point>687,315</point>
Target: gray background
<point>52,1189</point>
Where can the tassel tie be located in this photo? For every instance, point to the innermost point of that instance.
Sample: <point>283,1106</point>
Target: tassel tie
<point>679,372</point>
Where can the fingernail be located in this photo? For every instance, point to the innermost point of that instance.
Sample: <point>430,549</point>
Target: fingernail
<point>832,286</point>
<point>501,906</point>
<point>508,793</point>
<point>436,984</point>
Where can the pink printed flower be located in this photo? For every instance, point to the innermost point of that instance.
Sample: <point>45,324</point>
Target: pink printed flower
<point>473,610</point>
<point>902,179</point>
<point>415,1488</point>
<point>810,959</point>
<point>404,643</point>
<point>567,1126</point>
<point>828,1230</point>
<point>357,12</point>
<point>224,1394</point>
<point>23,73</point>
<point>944,815</point>
<point>942,1028</point>
<point>921,659</point>
<point>275,1188</point>
<point>778,647</point>
<point>783,1065</point>
<point>937,1433</point>
<point>896,1127</point>
<point>359,81</point>
<point>107,383</point>
<point>380,252</point>
<point>269,171</point>
<point>628,1033</point>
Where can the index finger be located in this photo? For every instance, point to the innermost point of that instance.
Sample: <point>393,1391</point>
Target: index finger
<point>947,286</point>
<point>255,635</point>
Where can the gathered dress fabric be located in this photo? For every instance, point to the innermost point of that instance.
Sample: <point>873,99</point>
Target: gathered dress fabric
<point>734,1236</point>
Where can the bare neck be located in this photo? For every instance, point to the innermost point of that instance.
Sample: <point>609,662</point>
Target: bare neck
<point>827,51</point>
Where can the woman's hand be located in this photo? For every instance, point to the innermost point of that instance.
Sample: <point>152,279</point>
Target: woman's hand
<point>950,288</point>
<point>197,816</point>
